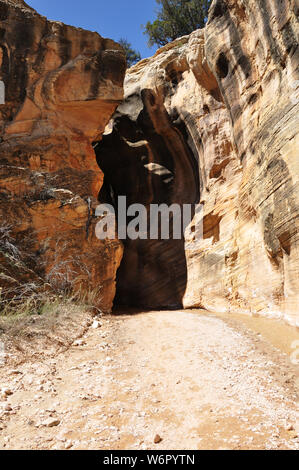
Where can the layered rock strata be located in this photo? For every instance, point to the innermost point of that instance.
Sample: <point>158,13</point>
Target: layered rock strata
<point>213,118</point>
<point>252,49</point>
<point>170,142</point>
<point>62,84</point>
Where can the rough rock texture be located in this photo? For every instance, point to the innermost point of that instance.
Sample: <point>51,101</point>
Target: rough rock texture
<point>252,49</point>
<point>210,119</point>
<point>213,118</point>
<point>149,146</point>
<point>62,86</point>
<point>172,139</point>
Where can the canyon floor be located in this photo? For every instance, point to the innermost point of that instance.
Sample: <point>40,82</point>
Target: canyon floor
<point>190,380</point>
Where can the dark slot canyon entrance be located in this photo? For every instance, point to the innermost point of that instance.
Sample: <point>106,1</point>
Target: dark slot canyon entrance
<point>147,156</point>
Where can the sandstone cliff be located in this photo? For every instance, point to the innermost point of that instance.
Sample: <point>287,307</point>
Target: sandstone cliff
<point>213,118</point>
<point>62,86</point>
<point>252,49</point>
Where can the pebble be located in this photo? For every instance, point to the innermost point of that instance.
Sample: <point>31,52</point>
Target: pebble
<point>157,439</point>
<point>16,372</point>
<point>68,445</point>
<point>7,408</point>
<point>51,422</point>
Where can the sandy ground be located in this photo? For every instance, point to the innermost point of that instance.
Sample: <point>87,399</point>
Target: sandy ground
<point>197,380</point>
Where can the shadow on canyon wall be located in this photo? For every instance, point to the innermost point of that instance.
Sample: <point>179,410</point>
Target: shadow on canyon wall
<point>148,159</point>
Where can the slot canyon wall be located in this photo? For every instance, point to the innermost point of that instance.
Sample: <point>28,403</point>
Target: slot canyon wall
<point>213,118</point>
<point>252,49</point>
<point>210,119</point>
<point>62,86</point>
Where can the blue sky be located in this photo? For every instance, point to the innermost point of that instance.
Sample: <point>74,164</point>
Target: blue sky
<point>111,18</point>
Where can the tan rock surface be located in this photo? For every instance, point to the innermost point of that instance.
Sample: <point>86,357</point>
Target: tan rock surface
<point>62,86</point>
<point>252,49</point>
<point>213,118</point>
<point>173,132</point>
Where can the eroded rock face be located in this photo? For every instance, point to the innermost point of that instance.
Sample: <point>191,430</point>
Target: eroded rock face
<point>62,86</point>
<point>213,118</point>
<point>252,49</point>
<point>169,142</point>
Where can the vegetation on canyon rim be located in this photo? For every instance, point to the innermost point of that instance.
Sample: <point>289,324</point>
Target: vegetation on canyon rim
<point>132,56</point>
<point>176,18</point>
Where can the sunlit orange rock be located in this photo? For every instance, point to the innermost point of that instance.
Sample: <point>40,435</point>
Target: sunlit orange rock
<point>62,86</point>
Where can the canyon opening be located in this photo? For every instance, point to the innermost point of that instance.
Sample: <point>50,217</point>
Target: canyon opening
<point>149,232</point>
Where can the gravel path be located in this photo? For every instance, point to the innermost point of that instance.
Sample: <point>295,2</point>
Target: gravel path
<point>186,380</point>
